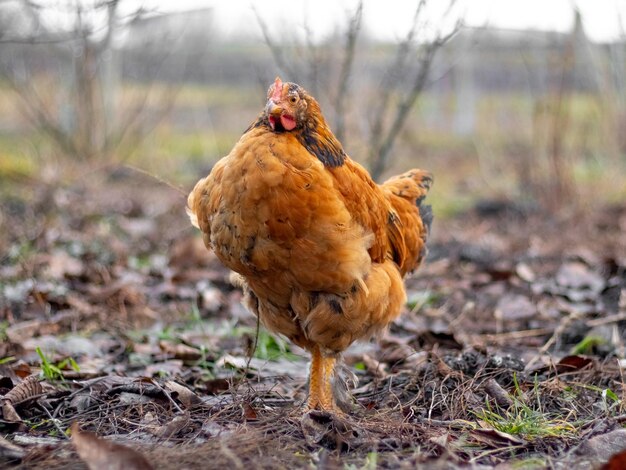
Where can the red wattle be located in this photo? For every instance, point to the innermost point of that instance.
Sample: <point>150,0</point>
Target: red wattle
<point>288,122</point>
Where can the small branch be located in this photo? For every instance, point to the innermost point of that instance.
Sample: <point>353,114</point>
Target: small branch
<point>54,422</point>
<point>565,321</point>
<point>346,69</point>
<point>390,83</point>
<point>498,337</point>
<point>381,144</point>
<point>495,391</point>
<point>607,320</point>
<point>35,111</point>
<point>277,51</point>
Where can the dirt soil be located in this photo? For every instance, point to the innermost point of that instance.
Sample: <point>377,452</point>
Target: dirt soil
<point>113,316</point>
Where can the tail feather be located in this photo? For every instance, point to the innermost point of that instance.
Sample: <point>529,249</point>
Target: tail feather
<point>426,213</point>
<point>410,224</point>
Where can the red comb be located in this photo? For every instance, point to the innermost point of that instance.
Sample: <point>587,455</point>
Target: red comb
<point>278,89</point>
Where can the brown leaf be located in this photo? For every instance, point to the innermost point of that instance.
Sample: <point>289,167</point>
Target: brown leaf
<point>249,413</point>
<point>495,438</point>
<point>216,386</point>
<point>180,351</point>
<point>374,367</point>
<point>172,428</point>
<point>22,370</point>
<point>27,389</point>
<point>100,454</point>
<point>572,363</point>
<point>186,396</point>
<point>8,412</point>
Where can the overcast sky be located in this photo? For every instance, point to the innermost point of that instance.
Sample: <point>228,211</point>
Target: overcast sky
<point>389,19</point>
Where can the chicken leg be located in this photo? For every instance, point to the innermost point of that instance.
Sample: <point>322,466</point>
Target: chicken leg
<point>320,385</point>
<point>328,400</point>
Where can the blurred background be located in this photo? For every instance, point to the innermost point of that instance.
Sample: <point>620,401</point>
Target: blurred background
<point>514,101</point>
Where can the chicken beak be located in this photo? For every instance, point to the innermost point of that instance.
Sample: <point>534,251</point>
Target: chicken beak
<point>273,109</point>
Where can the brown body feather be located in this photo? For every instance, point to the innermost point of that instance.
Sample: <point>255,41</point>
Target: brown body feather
<point>322,252</point>
<point>320,248</point>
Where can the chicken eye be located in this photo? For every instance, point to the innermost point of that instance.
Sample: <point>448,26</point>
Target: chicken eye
<point>293,99</point>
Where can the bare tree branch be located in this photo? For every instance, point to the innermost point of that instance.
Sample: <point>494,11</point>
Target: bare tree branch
<point>277,51</point>
<point>389,84</point>
<point>93,132</point>
<point>402,112</point>
<point>314,57</point>
<point>346,69</point>
<point>392,104</point>
<point>35,110</point>
<point>381,144</point>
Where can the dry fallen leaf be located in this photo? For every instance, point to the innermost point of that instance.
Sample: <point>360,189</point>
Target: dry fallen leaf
<point>8,412</point>
<point>180,351</point>
<point>249,413</point>
<point>573,363</point>
<point>374,367</point>
<point>22,392</point>
<point>495,438</point>
<point>100,454</point>
<point>186,396</point>
<point>27,389</point>
<point>171,428</point>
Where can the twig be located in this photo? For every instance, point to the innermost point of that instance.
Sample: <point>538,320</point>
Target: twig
<point>167,394</point>
<point>606,320</point>
<point>346,69</point>
<point>380,152</point>
<point>456,423</point>
<point>495,391</point>
<point>495,451</point>
<point>557,333</point>
<point>390,82</point>
<point>277,51</point>
<point>158,178</point>
<point>496,337</point>
<point>54,422</point>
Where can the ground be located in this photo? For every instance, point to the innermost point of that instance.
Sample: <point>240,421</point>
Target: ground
<point>510,353</point>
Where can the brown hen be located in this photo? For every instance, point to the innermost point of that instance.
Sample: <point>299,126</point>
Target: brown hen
<point>320,248</point>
